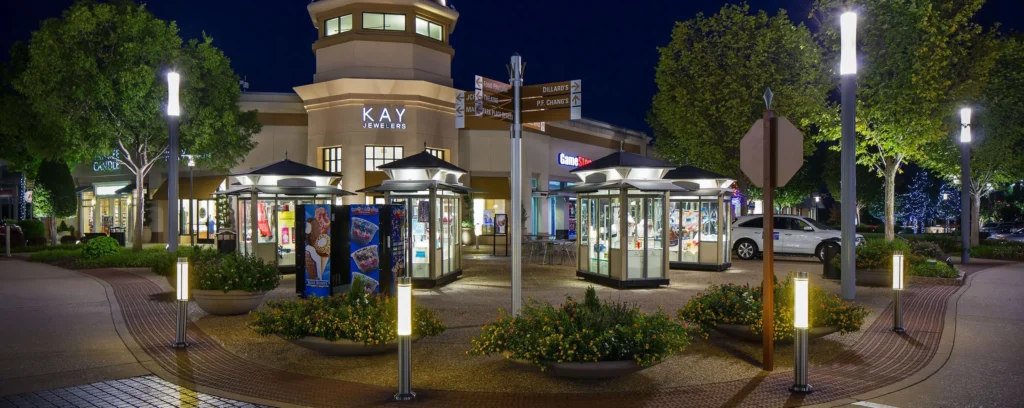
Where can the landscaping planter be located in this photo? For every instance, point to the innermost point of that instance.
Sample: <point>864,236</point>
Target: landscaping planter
<point>594,371</point>
<point>743,332</point>
<point>234,302</point>
<point>468,237</point>
<point>927,280</point>
<point>874,277</point>
<point>345,347</point>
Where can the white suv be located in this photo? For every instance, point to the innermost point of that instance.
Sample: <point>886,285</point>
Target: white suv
<point>794,235</point>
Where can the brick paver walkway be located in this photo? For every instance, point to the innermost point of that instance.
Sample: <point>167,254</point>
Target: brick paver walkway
<point>147,391</point>
<point>878,359</point>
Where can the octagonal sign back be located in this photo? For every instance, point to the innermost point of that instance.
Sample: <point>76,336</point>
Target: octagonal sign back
<point>791,152</point>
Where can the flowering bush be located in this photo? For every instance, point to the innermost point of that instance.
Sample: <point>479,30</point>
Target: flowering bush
<point>367,318</point>
<point>583,332</point>
<point>927,249</point>
<point>212,270</point>
<point>741,304</point>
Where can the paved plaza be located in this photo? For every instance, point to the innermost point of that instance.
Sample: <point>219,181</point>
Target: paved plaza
<point>124,317</point>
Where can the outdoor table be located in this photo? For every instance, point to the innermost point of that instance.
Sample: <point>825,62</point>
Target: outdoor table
<point>549,244</point>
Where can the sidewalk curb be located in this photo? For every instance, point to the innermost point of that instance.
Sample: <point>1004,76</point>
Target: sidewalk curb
<point>942,354</point>
<point>147,362</point>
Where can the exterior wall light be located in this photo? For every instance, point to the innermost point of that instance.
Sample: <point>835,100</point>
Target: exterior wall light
<point>801,322</point>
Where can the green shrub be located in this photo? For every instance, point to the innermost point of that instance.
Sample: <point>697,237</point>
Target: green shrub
<point>935,270</point>
<point>214,271</point>
<point>357,316</point>
<point>583,332</point>
<point>999,250</point>
<point>736,304</point>
<point>99,247</point>
<point>948,243</point>
<point>34,230</point>
<point>44,248</point>
<point>161,262</point>
<point>927,249</point>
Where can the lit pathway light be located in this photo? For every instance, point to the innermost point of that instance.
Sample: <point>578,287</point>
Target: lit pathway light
<point>182,297</point>
<point>800,325</point>
<point>897,287</point>
<point>405,340</point>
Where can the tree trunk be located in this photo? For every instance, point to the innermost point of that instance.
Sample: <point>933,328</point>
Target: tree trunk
<point>889,173</point>
<point>975,218</point>
<point>140,203</point>
<point>53,230</point>
<point>856,218</point>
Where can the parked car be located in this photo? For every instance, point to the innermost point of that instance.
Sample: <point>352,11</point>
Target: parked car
<point>794,235</point>
<point>1016,235</point>
<point>996,227</point>
<point>17,237</point>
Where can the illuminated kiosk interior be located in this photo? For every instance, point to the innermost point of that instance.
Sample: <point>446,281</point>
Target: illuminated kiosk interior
<point>265,204</point>
<point>429,187</point>
<point>700,220</point>
<point>623,213</point>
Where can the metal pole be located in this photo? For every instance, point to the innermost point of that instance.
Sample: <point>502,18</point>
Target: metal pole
<point>897,313</point>
<point>517,187</point>
<point>7,240</point>
<point>405,356</point>
<point>172,184</point>
<point>800,361</point>
<point>768,241</point>
<point>965,202</point>
<point>191,206</point>
<point>179,337</point>
<point>848,210</point>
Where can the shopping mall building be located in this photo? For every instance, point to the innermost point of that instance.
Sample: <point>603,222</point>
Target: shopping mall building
<point>382,91</point>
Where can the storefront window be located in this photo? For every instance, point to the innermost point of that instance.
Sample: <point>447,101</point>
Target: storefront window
<point>709,220</point>
<point>419,216</point>
<point>331,159</point>
<point>438,153</point>
<point>286,232</point>
<point>381,155</point>
<point>429,29</point>
<point>683,240</point>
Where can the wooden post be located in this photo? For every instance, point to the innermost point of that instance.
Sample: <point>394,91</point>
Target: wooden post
<point>768,239</point>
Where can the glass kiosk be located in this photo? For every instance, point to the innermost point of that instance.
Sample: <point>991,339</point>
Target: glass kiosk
<point>622,220</point>
<point>265,200</point>
<point>428,186</point>
<point>700,220</point>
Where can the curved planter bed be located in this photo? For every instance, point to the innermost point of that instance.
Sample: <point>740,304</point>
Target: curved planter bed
<point>234,302</point>
<point>594,371</point>
<point>874,277</point>
<point>345,347</point>
<point>743,332</point>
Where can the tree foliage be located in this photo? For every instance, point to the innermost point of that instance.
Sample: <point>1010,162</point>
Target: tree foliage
<point>869,185</point>
<point>711,77</point>
<point>54,194</point>
<point>97,75</point>
<point>917,61</point>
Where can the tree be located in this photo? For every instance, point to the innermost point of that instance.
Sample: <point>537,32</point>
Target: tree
<point>54,194</point>
<point>869,186</point>
<point>917,204</point>
<point>711,78</point>
<point>997,146</point>
<point>915,53</point>
<point>948,203</point>
<point>98,75</point>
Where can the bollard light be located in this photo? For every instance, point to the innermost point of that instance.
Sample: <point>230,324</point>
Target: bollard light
<point>7,240</point>
<point>405,340</point>
<point>173,82</point>
<point>848,43</point>
<point>182,297</point>
<point>801,322</point>
<point>965,125</point>
<point>897,287</point>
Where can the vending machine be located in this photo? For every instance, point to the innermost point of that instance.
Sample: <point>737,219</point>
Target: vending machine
<point>343,242</point>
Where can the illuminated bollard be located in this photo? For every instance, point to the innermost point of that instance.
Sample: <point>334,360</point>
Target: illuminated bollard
<point>800,326</point>
<point>897,288</point>
<point>405,340</point>
<point>182,297</point>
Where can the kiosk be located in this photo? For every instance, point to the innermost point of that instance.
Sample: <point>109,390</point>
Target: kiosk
<point>266,200</point>
<point>700,220</point>
<point>623,207</point>
<point>429,187</point>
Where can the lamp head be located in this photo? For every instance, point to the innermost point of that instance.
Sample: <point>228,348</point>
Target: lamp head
<point>404,306</point>
<point>897,270</point>
<point>801,289</point>
<point>848,43</point>
<point>182,279</point>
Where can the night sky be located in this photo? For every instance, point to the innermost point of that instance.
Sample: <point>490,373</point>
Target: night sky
<point>609,44</point>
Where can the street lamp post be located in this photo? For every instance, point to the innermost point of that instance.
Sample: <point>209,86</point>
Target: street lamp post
<point>405,340</point>
<point>191,202</point>
<point>945,197</point>
<point>800,325</point>
<point>173,111</point>
<point>965,185</point>
<point>897,288</point>
<point>848,89</point>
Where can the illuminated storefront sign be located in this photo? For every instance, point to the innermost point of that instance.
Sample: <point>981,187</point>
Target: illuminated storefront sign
<point>572,161</point>
<point>110,163</point>
<point>376,117</point>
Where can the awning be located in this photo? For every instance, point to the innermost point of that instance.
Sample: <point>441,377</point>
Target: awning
<point>642,185</point>
<point>492,188</point>
<point>203,187</point>
<point>289,191</point>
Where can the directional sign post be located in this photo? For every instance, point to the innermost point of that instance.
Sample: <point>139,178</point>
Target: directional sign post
<point>770,154</point>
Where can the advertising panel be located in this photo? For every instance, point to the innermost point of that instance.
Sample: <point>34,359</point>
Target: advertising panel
<point>501,224</point>
<point>364,245</point>
<point>398,216</point>
<point>317,252</point>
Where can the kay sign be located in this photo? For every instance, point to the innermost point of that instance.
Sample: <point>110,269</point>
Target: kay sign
<point>384,117</point>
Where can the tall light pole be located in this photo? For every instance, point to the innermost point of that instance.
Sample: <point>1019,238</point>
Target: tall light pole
<point>192,207</point>
<point>173,111</point>
<point>516,232</point>
<point>848,209</point>
<point>965,185</point>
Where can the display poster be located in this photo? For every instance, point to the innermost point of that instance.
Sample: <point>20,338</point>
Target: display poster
<point>501,224</point>
<point>423,213</point>
<point>674,230</point>
<point>398,216</point>
<point>364,245</point>
<point>318,250</point>
<point>489,218</point>
<point>572,220</point>
<point>264,214</point>
<point>286,219</point>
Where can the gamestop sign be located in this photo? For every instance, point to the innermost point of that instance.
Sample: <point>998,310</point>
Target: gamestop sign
<point>384,117</point>
<point>572,161</point>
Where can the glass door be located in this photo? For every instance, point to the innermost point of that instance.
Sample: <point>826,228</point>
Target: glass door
<point>419,220</point>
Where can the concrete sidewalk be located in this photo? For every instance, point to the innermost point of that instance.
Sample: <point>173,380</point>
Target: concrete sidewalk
<point>986,365</point>
<point>57,330</point>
